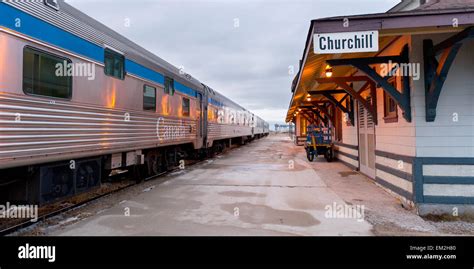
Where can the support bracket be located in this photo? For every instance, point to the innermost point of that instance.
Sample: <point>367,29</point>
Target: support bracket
<point>324,109</point>
<point>436,71</point>
<point>318,114</point>
<point>349,89</point>
<point>307,117</point>
<point>363,64</point>
<point>349,111</point>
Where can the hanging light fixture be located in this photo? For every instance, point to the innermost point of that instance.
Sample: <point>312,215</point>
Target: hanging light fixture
<point>328,71</point>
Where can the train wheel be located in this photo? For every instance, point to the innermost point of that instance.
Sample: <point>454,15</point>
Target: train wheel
<point>153,164</point>
<point>328,155</point>
<point>105,173</point>
<point>139,173</point>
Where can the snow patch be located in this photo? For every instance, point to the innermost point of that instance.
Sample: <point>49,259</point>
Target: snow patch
<point>149,188</point>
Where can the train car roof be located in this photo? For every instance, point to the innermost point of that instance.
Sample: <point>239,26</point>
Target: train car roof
<point>222,97</point>
<point>76,22</point>
<point>72,20</point>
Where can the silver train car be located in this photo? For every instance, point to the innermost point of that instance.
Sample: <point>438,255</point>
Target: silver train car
<point>78,100</point>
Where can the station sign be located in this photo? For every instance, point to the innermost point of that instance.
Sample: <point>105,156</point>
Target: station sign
<point>346,42</point>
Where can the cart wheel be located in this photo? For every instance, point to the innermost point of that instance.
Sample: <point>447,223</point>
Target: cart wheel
<point>310,156</point>
<point>328,155</point>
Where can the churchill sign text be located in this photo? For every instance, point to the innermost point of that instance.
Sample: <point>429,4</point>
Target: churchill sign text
<point>347,42</point>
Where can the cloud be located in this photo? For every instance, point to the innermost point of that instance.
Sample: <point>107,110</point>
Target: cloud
<point>241,48</point>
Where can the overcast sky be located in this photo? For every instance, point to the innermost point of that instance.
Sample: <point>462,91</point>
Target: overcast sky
<point>241,48</point>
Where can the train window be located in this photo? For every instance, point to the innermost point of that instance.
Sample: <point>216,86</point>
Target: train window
<point>186,108</point>
<point>114,64</point>
<point>39,74</point>
<point>52,3</point>
<point>169,86</point>
<point>149,98</point>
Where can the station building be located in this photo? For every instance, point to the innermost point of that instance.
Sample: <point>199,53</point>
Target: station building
<point>397,88</point>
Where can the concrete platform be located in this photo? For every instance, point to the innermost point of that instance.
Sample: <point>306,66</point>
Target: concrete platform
<point>264,188</point>
<point>252,190</point>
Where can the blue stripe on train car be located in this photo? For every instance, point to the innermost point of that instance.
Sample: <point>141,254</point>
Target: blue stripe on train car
<point>141,71</point>
<point>184,89</point>
<point>48,33</point>
<point>214,102</point>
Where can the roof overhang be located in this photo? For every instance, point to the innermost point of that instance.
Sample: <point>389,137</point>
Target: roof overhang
<point>390,27</point>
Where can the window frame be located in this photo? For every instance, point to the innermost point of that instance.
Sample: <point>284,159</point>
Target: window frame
<point>390,116</point>
<point>122,57</point>
<point>188,114</point>
<point>154,89</point>
<point>54,4</point>
<point>68,60</point>
<point>303,126</point>
<point>338,128</point>
<point>169,86</point>
<point>349,102</point>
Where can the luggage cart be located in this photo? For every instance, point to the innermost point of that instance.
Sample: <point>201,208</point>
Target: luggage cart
<point>319,142</point>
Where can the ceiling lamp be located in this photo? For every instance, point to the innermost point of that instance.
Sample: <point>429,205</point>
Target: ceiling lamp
<point>328,71</point>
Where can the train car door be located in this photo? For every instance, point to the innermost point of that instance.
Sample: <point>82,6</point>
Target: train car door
<point>366,142</point>
<point>202,132</point>
<point>253,124</point>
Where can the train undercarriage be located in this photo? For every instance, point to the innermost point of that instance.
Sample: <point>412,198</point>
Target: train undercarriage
<point>52,182</point>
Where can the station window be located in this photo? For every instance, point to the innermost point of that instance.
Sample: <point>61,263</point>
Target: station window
<point>114,64</point>
<point>186,107</point>
<point>149,98</point>
<point>338,128</point>
<point>303,126</point>
<point>40,77</point>
<point>169,86</point>
<point>390,106</point>
<point>350,106</point>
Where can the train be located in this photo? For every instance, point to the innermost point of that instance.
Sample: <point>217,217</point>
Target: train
<point>79,101</point>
